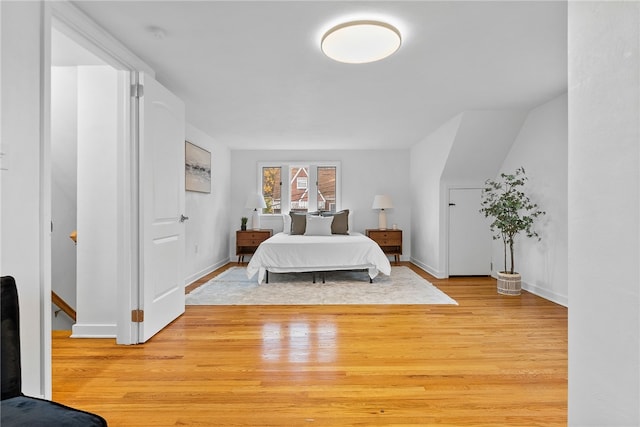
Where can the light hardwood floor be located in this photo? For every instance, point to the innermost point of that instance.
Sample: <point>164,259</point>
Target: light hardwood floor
<point>490,361</point>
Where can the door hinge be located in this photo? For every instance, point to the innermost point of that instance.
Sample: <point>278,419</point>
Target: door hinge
<point>137,316</point>
<point>137,90</point>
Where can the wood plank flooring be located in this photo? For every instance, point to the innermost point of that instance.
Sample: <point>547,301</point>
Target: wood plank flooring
<point>490,361</point>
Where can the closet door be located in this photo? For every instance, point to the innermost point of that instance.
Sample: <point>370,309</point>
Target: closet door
<point>469,234</point>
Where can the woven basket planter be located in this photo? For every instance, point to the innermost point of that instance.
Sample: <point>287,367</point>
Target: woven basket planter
<point>509,284</point>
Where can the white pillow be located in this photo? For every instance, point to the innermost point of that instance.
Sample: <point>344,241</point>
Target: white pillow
<point>286,226</point>
<point>318,225</point>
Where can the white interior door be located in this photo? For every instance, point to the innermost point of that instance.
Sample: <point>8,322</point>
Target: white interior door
<point>469,234</point>
<point>161,138</point>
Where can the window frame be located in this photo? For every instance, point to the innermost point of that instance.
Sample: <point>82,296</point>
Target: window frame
<point>312,182</point>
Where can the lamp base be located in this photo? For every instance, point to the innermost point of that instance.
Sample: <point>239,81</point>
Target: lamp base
<point>255,220</point>
<point>382,220</point>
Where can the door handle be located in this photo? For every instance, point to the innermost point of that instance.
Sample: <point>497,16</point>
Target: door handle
<point>452,204</point>
<point>183,218</point>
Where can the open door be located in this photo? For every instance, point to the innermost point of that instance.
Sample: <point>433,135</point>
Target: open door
<point>161,174</point>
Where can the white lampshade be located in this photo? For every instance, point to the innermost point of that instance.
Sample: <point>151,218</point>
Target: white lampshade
<point>255,201</point>
<point>360,42</point>
<point>382,202</point>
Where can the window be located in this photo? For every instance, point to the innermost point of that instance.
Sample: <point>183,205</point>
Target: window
<point>299,201</point>
<point>327,188</point>
<point>271,189</point>
<point>301,183</point>
<point>311,186</point>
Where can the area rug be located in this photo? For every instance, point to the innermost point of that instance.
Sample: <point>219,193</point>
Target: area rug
<point>403,286</point>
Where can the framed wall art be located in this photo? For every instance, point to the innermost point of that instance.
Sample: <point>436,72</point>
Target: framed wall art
<point>197,168</point>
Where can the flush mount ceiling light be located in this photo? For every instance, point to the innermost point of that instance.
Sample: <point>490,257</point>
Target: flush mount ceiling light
<point>359,42</point>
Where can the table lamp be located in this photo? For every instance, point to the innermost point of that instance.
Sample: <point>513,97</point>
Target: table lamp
<point>382,202</point>
<point>255,201</point>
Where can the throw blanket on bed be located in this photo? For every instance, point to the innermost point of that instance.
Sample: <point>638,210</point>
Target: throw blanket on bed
<point>284,253</point>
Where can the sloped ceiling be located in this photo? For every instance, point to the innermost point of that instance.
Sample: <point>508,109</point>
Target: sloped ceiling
<point>253,77</point>
<point>481,144</point>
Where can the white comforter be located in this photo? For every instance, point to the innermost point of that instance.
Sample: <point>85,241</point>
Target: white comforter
<point>284,253</point>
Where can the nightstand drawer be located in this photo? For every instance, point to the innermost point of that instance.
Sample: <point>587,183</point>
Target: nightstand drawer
<point>389,241</point>
<point>386,237</point>
<point>252,238</point>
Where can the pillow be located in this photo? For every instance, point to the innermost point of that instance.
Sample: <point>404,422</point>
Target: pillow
<point>286,226</point>
<point>318,225</point>
<point>298,222</point>
<point>340,223</point>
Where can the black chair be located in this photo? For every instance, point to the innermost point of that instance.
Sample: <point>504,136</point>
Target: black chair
<point>16,409</point>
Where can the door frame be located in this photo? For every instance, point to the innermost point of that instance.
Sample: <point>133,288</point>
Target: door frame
<point>71,21</point>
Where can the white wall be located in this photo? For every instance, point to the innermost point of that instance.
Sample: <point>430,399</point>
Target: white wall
<point>462,153</point>
<point>24,219</point>
<point>428,160</point>
<point>365,173</point>
<point>604,213</point>
<point>97,277</point>
<point>207,230</point>
<point>64,181</point>
<point>541,148</point>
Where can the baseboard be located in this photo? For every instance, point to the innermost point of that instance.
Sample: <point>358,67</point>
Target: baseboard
<point>192,278</point>
<point>432,271</point>
<point>94,331</point>
<point>546,294</point>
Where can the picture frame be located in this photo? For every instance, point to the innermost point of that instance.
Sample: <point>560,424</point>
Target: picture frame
<point>197,168</point>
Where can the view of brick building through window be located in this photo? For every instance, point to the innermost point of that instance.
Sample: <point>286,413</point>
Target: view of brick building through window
<point>300,188</point>
<point>299,201</point>
<point>327,188</point>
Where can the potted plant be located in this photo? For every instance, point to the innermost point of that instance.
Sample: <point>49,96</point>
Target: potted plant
<point>243,223</point>
<point>512,212</point>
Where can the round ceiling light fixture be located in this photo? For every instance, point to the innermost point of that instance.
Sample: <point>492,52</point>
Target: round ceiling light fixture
<point>360,42</point>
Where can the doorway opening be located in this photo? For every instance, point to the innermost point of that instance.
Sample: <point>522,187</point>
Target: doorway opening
<point>85,132</point>
<point>129,145</point>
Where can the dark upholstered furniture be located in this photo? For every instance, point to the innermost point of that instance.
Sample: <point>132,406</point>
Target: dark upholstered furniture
<point>16,409</point>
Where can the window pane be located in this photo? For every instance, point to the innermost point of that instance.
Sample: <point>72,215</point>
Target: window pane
<point>299,196</point>
<point>271,189</point>
<point>327,188</point>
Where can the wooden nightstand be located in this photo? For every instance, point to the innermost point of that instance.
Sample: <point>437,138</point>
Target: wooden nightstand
<point>248,241</point>
<point>390,241</point>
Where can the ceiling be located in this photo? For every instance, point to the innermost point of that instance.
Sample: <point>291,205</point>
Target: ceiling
<point>252,74</point>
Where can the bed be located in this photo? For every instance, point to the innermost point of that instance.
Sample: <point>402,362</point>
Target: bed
<point>287,253</point>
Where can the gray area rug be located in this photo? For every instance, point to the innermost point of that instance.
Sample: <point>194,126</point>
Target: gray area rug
<point>232,287</point>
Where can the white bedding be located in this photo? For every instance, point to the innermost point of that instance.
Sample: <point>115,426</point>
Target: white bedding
<point>285,253</point>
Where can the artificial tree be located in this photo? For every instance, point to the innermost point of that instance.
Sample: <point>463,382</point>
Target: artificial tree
<point>512,211</point>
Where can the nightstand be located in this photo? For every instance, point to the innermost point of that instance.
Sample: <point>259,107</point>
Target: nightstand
<point>390,241</point>
<point>247,241</point>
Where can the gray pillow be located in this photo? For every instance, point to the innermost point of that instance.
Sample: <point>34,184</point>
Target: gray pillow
<point>298,222</point>
<point>340,224</point>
